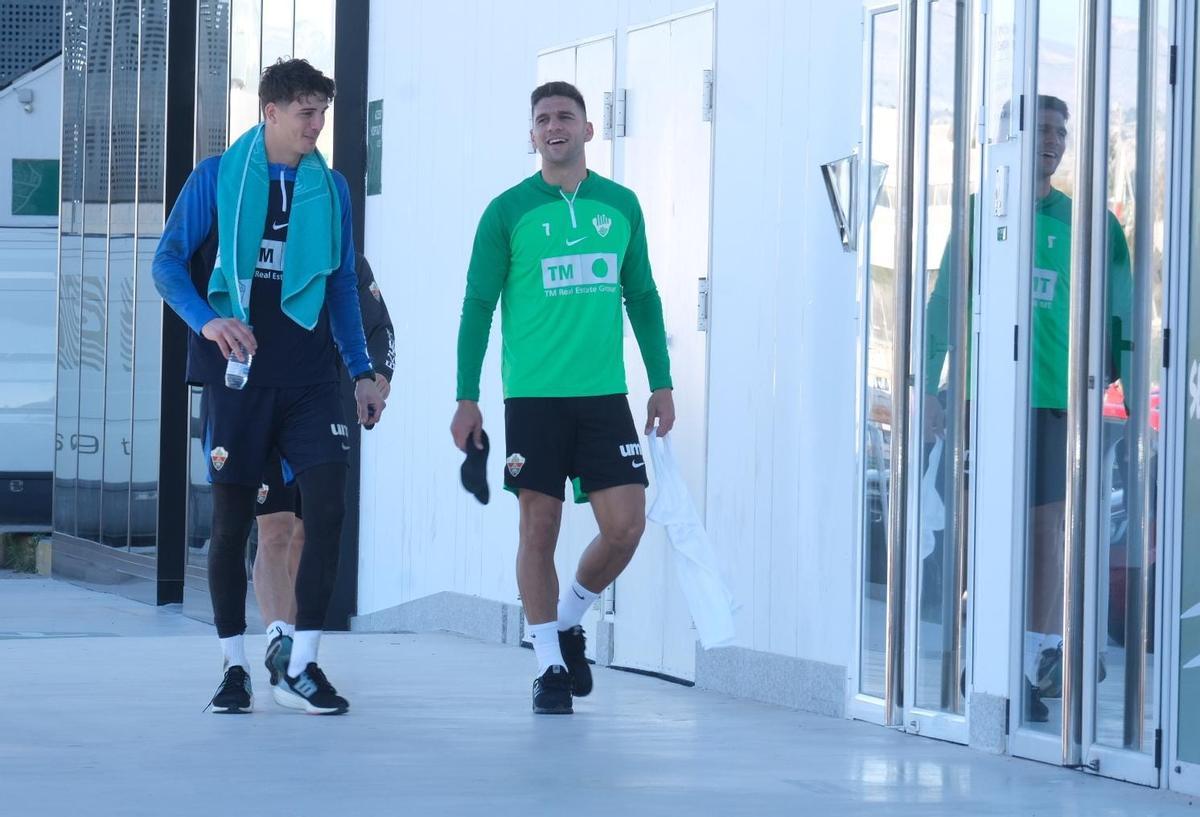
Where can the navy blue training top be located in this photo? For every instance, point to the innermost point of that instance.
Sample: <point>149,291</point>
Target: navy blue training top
<point>288,354</point>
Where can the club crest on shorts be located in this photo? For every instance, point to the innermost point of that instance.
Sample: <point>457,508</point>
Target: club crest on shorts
<point>263,490</point>
<point>218,457</point>
<point>515,463</point>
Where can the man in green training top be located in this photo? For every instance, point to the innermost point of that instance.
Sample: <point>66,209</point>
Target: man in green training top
<point>1050,296</point>
<point>559,251</point>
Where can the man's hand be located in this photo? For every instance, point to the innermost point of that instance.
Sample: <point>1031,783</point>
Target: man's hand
<point>662,408</point>
<point>385,388</point>
<point>370,403</point>
<point>231,336</point>
<point>467,424</point>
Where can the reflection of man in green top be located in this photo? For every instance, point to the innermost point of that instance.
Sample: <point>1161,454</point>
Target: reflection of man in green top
<point>560,251</point>
<point>1050,293</point>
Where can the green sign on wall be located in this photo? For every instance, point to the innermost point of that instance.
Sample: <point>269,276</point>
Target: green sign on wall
<point>374,147</point>
<point>35,187</point>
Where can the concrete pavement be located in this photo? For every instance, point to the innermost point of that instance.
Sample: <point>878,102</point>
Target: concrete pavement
<point>100,714</point>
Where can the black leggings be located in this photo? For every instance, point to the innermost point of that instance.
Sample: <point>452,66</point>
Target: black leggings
<point>323,492</point>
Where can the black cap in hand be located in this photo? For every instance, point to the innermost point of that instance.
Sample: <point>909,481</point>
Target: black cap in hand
<point>474,468</point>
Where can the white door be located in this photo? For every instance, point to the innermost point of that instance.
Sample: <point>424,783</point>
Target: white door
<point>667,161</point>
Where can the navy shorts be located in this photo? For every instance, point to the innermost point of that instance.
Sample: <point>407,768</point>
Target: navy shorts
<point>278,492</point>
<point>242,429</point>
<point>590,440</point>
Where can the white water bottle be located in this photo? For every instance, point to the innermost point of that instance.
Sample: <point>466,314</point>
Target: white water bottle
<point>237,372</point>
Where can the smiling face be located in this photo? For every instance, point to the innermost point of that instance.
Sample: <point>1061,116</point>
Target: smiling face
<point>1051,141</point>
<point>560,131</point>
<point>293,128</point>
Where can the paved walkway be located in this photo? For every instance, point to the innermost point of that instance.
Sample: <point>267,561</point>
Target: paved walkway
<point>100,714</point>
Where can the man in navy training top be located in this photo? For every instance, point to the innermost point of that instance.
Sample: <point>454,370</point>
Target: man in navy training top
<point>246,299</point>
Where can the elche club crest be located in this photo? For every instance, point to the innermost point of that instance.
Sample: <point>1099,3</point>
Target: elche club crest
<point>515,463</point>
<point>603,224</point>
<point>263,490</point>
<point>218,457</point>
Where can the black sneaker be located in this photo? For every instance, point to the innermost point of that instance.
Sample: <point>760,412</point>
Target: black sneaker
<point>1035,710</point>
<point>234,696</point>
<point>279,652</point>
<point>573,644</point>
<point>311,692</point>
<point>1049,672</point>
<point>552,692</point>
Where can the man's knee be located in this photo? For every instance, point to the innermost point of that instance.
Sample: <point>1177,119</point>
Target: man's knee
<point>275,534</point>
<point>624,534</point>
<point>541,517</point>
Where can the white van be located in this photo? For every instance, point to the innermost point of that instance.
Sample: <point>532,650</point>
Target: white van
<point>28,279</point>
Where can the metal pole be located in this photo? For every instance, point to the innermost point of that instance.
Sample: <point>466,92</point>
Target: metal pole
<point>901,349</point>
<point>1137,395</point>
<point>1080,382</point>
<point>955,536</point>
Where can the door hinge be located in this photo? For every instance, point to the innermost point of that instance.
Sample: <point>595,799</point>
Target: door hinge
<point>1166,342</point>
<point>1007,712</point>
<point>1158,748</point>
<point>706,100</point>
<point>1021,114</point>
<point>702,305</point>
<point>607,131</point>
<point>1016,338</point>
<point>1174,63</point>
<point>619,113</point>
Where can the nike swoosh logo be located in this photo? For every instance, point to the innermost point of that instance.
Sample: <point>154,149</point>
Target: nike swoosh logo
<point>576,592</point>
<point>571,243</point>
<point>345,447</point>
<point>639,464</point>
<point>277,226</point>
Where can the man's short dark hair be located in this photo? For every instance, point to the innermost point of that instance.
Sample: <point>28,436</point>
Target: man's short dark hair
<point>557,88</point>
<point>1053,103</point>
<point>289,80</point>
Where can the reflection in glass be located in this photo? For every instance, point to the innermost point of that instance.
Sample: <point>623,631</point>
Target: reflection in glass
<point>244,67</point>
<point>70,267</point>
<point>942,570</point>
<point>314,33</point>
<point>212,77</point>
<point>147,347</point>
<point>278,29</point>
<point>118,373</point>
<point>1125,702</point>
<point>88,442</point>
<point>118,397</point>
<point>199,505</point>
<point>1050,297</point>
<point>879,295</point>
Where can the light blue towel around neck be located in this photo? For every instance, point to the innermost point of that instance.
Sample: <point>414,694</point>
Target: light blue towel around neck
<point>314,238</point>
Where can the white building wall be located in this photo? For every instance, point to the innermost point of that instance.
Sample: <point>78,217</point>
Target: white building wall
<point>34,134</point>
<point>455,78</point>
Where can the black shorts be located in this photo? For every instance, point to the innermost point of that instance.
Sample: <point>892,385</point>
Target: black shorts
<point>590,440</point>
<point>242,428</point>
<point>1048,456</point>
<point>278,492</point>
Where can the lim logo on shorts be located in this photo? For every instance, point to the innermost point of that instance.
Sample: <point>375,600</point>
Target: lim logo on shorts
<point>579,270</point>
<point>339,430</point>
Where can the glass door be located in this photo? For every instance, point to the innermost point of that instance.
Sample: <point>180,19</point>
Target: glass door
<point>1097,131</point>
<point>936,669</point>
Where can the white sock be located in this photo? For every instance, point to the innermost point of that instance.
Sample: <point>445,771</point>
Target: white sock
<point>234,651</point>
<point>304,651</point>
<point>573,604</point>
<point>544,638</point>
<point>277,628</point>
<point>1033,652</point>
<point>289,630</point>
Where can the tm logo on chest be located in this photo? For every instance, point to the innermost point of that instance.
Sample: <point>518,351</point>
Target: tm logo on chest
<point>582,269</point>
